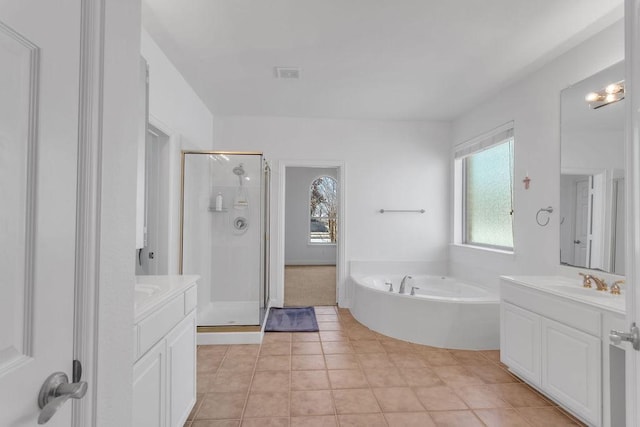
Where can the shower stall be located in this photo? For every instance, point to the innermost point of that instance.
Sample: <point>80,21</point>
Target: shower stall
<point>225,218</point>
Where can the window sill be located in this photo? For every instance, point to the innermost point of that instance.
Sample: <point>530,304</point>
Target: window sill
<point>484,249</point>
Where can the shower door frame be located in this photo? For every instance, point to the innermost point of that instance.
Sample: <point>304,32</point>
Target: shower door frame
<point>264,233</point>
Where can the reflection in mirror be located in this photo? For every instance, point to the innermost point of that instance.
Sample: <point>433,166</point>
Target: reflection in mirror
<point>592,172</point>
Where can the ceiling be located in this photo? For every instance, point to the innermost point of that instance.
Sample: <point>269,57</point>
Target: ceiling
<point>365,59</point>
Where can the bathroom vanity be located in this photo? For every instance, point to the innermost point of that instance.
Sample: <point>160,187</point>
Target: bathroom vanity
<point>164,339</point>
<point>554,334</point>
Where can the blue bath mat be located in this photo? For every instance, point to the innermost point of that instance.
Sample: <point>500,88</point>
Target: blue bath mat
<point>292,319</point>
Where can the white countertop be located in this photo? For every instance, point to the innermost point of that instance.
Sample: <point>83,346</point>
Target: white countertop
<point>153,291</point>
<point>572,289</point>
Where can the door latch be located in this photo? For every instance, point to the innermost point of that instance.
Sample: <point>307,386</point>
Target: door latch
<point>633,336</point>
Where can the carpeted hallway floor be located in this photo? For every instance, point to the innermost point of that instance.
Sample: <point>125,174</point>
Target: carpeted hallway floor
<point>309,285</point>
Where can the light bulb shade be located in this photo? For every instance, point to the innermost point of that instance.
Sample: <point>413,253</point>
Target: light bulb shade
<point>591,97</point>
<point>613,88</point>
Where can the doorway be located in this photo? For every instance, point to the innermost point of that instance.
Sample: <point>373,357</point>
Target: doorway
<point>153,258</point>
<point>311,235</point>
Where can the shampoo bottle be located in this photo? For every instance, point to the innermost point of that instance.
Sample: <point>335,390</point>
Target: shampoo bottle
<point>219,202</point>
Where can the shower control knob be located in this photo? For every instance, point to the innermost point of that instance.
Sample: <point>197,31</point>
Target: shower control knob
<point>152,255</point>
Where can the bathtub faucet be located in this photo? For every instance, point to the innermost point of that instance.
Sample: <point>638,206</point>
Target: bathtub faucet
<point>404,279</point>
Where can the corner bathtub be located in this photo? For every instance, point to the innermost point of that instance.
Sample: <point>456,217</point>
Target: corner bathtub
<point>444,312</point>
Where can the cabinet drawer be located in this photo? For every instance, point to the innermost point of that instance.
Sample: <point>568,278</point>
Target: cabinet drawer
<point>190,299</point>
<point>154,327</point>
<point>570,313</point>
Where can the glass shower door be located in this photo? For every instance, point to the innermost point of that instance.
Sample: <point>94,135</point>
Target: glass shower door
<point>223,233</point>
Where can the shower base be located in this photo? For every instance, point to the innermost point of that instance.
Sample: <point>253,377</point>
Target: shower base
<point>230,323</point>
<point>236,313</point>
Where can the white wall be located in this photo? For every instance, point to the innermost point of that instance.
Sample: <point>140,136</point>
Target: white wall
<point>117,213</point>
<point>534,105</point>
<point>175,109</point>
<point>388,164</point>
<point>298,250</point>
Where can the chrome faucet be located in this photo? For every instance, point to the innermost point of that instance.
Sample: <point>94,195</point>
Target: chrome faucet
<point>404,279</point>
<point>389,283</point>
<point>413,290</point>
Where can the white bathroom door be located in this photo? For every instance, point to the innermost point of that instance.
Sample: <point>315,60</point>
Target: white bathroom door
<point>581,224</point>
<point>39,80</point>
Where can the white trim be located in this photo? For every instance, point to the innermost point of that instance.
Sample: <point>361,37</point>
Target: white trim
<point>26,347</point>
<point>632,154</point>
<point>484,248</point>
<point>175,153</point>
<point>341,249</point>
<point>484,141</point>
<point>88,206</point>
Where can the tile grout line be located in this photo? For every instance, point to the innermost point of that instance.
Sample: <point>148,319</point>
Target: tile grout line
<point>352,332</point>
<point>253,373</point>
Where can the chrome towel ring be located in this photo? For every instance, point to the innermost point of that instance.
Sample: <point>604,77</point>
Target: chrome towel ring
<point>548,210</point>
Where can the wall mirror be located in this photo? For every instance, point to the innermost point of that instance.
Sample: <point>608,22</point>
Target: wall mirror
<point>592,194</point>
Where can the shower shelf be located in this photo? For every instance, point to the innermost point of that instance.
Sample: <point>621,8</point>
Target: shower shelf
<point>218,211</point>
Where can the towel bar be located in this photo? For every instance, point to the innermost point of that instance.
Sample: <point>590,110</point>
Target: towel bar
<point>403,210</point>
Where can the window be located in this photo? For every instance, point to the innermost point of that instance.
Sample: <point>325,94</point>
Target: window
<point>484,172</point>
<point>323,206</point>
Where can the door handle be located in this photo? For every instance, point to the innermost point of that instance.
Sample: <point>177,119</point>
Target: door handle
<point>55,391</point>
<point>633,336</point>
<point>577,242</point>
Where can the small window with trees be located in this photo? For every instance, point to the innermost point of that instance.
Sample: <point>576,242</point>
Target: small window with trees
<point>323,205</point>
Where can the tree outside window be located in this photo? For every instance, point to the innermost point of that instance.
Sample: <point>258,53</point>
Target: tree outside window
<point>323,204</point>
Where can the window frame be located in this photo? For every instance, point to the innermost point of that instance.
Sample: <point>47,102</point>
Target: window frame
<point>310,217</point>
<point>474,146</point>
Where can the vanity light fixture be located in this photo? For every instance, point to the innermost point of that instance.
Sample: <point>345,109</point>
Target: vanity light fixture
<point>614,92</point>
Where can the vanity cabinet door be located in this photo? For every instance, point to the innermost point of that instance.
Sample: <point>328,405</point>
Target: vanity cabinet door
<point>181,360</point>
<point>571,369</point>
<point>149,388</point>
<point>520,341</point>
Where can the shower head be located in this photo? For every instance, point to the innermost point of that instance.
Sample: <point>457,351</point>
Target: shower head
<point>239,170</point>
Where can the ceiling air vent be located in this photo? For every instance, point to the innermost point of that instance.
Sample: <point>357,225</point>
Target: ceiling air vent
<point>287,72</point>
